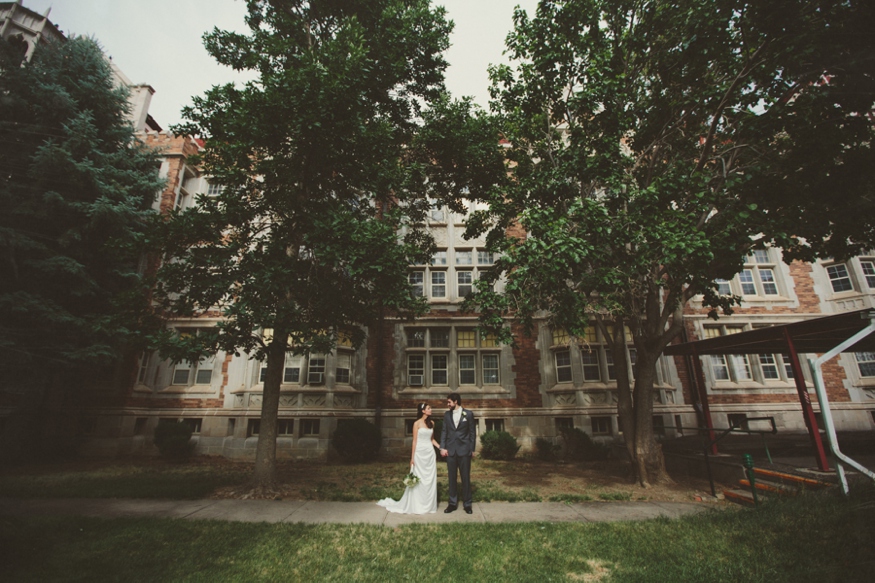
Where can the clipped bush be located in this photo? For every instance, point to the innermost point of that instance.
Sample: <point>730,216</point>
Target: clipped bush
<point>357,440</point>
<point>173,440</point>
<point>546,450</point>
<point>579,446</point>
<point>498,445</point>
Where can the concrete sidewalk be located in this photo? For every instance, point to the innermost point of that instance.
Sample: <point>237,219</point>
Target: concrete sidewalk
<point>346,512</point>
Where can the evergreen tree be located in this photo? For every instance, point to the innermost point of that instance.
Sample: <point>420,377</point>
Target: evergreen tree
<point>75,188</point>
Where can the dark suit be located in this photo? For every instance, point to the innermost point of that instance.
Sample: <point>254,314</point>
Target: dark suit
<point>459,443</point>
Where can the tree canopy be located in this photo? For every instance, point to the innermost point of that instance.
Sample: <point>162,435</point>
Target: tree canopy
<point>653,145</point>
<point>328,161</point>
<point>75,189</point>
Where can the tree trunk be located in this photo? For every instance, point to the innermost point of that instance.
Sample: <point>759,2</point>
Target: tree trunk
<point>264,478</point>
<point>635,409</point>
<point>648,460</point>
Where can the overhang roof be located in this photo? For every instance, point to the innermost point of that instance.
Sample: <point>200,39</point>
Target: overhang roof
<point>814,336</point>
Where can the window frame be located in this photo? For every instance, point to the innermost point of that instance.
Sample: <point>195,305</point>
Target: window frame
<point>450,355</point>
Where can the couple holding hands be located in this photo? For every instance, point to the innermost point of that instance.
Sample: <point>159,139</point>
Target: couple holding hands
<point>458,438</point>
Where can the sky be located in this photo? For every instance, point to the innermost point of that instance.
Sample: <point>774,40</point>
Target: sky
<point>158,42</point>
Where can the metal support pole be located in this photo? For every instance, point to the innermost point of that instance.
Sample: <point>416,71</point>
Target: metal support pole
<point>703,397</point>
<point>807,410</point>
<point>817,373</point>
<point>747,460</point>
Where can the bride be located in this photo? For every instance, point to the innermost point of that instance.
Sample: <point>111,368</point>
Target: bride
<point>420,498</point>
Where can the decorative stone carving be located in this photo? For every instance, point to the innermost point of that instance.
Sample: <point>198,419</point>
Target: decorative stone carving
<point>669,397</point>
<point>657,396</point>
<point>869,394</point>
<point>314,401</point>
<point>238,400</point>
<point>599,398</point>
<point>288,401</point>
<point>345,402</point>
<point>255,400</point>
<point>565,400</point>
<point>587,399</point>
<point>615,398</point>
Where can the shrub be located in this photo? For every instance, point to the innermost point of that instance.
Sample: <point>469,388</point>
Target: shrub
<point>580,447</point>
<point>357,440</point>
<point>498,445</point>
<point>173,440</point>
<point>546,450</point>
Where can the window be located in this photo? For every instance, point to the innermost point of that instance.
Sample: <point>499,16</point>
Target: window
<point>495,425</point>
<point>343,368</point>
<point>868,268</point>
<point>866,363</point>
<point>214,189</point>
<point>743,367</point>
<point>436,213</point>
<point>464,257</point>
<point>439,369</point>
<point>309,427</point>
<point>316,370</point>
<point>450,356</point>
<point>563,365</point>
<point>438,284</point>
<point>253,427</point>
<point>417,283</point>
<point>658,425</point>
<point>465,283</point>
<point>589,358</point>
<point>564,423</point>
<point>601,425</point>
<point>194,423</point>
<point>758,276</point>
<point>140,425</point>
<point>737,420</point>
<point>839,278</point>
<point>285,427</point>
<point>144,367</point>
<point>408,426</point>
<point>186,373</point>
<point>291,371</point>
<point>591,372</point>
<point>450,275</point>
<point>232,426</point>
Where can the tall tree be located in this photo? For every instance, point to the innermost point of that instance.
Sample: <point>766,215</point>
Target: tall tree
<point>325,168</point>
<point>655,144</point>
<point>75,189</point>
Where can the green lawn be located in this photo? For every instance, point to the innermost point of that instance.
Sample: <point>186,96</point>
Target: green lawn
<point>205,477</point>
<point>816,538</point>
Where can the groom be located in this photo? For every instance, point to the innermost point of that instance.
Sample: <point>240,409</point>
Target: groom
<point>458,438</point>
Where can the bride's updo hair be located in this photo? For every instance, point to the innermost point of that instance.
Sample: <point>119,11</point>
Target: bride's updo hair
<point>420,411</point>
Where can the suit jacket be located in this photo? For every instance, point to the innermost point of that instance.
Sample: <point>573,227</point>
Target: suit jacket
<point>461,440</point>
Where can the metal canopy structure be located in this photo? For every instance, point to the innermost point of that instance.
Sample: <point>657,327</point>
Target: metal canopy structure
<point>814,336</point>
<point>830,335</point>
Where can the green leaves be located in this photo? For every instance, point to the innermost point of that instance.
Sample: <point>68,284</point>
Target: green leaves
<point>75,192</point>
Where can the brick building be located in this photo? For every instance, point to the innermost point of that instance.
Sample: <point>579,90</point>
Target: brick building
<point>544,384</point>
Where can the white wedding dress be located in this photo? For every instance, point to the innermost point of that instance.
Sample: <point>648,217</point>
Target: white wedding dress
<point>421,498</point>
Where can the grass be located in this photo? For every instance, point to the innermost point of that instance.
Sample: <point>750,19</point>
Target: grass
<point>203,477</point>
<point>812,538</point>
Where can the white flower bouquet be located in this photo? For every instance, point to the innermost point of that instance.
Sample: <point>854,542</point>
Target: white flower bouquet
<point>410,480</point>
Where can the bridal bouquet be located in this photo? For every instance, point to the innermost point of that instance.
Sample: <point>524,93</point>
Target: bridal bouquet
<point>410,480</point>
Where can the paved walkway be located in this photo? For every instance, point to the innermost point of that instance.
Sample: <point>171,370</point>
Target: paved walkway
<point>346,512</point>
